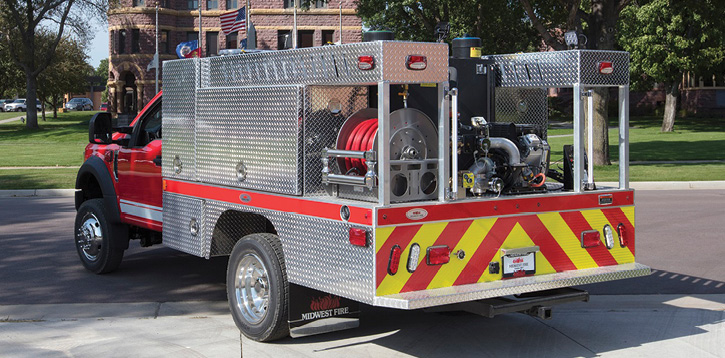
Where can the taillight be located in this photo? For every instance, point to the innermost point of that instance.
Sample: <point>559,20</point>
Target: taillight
<point>394,260</point>
<point>438,255</point>
<point>416,62</point>
<point>358,237</point>
<point>622,232</point>
<point>413,257</point>
<point>365,62</point>
<point>606,67</point>
<point>590,238</point>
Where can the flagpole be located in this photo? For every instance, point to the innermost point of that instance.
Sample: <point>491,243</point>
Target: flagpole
<point>157,48</point>
<point>246,26</point>
<point>294,27</point>
<point>199,40</point>
<point>340,22</point>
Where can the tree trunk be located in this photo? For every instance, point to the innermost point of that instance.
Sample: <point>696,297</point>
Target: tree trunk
<point>601,126</point>
<point>668,122</point>
<point>30,100</point>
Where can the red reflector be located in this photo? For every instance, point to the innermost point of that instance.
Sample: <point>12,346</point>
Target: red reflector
<point>622,232</point>
<point>358,237</point>
<point>591,238</point>
<point>365,62</point>
<point>394,260</point>
<point>416,62</point>
<point>606,67</point>
<point>438,255</point>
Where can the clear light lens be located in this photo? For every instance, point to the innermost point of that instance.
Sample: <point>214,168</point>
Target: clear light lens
<point>608,236</point>
<point>413,257</point>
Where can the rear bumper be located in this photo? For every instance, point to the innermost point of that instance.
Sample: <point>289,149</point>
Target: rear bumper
<point>477,291</point>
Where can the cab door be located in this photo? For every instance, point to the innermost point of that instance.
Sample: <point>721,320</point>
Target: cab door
<point>138,170</point>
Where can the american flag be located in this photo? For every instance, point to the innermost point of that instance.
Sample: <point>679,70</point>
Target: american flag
<point>234,21</point>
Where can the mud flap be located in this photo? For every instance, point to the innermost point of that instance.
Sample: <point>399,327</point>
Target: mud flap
<point>314,312</point>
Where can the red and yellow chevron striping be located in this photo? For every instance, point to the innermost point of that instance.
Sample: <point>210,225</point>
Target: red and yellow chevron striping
<point>557,234</point>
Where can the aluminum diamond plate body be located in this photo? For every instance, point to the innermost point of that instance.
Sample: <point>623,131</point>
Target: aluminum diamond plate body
<point>561,69</point>
<point>522,106</point>
<point>184,224</point>
<point>317,252</point>
<point>250,137</point>
<point>329,65</point>
<point>179,111</point>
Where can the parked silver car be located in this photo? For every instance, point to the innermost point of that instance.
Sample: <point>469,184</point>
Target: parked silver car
<point>3,102</point>
<point>18,105</point>
<point>79,104</point>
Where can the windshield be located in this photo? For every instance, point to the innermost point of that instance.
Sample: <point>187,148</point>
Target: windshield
<point>75,100</point>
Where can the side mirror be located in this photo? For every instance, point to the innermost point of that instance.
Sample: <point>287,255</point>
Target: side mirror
<point>100,128</point>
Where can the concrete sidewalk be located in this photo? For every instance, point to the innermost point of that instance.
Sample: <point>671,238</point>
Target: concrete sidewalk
<point>22,116</point>
<point>608,326</point>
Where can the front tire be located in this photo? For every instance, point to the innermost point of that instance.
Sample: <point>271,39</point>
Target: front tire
<point>257,287</point>
<point>97,245</point>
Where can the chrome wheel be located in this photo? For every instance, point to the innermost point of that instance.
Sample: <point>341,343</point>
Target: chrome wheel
<point>90,237</point>
<point>251,288</point>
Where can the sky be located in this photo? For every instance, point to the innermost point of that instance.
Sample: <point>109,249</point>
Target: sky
<point>98,49</point>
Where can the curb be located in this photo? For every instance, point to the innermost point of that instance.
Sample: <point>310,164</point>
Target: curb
<point>36,192</point>
<point>670,185</point>
<point>637,185</point>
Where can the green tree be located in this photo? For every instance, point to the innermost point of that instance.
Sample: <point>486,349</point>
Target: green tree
<point>22,19</point>
<point>497,22</point>
<point>102,72</point>
<point>597,21</point>
<point>67,73</point>
<point>668,38</point>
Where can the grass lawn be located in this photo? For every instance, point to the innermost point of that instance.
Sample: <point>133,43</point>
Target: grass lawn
<point>6,115</point>
<point>693,139</point>
<point>58,142</point>
<point>38,178</point>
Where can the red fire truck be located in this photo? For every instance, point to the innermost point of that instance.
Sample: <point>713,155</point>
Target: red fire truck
<point>383,172</point>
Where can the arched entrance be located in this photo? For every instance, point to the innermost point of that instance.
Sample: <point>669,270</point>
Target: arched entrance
<point>128,95</point>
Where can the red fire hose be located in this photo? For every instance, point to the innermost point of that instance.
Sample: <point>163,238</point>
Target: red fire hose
<point>361,138</point>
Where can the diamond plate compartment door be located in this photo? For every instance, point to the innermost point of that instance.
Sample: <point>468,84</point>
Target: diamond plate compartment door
<point>179,119</point>
<point>184,225</point>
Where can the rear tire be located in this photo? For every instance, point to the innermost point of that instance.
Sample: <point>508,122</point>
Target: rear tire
<point>257,287</point>
<point>97,244</point>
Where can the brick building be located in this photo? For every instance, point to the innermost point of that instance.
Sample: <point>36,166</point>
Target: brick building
<point>131,30</point>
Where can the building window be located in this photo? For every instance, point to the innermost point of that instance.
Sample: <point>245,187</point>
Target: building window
<point>318,4</point>
<point>135,40</point>
<point>328,37</point>
<point>284,39</point>
<point>122,41</point>
<point>305,38</point>
<point>111,41</point>
<point>212,43</point>
<point>289,3</point>
<point>191,36</point>
<point>232,40</point>
<point>137,3</point>
<point>232,4</point>
<point>212,4</point>
<point>192,4</point>
<point>164,41</point>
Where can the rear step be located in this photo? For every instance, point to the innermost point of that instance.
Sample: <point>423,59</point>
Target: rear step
<point>537,304</point>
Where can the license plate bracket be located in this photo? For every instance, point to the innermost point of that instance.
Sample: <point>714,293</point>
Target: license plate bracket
<point>518,264</point>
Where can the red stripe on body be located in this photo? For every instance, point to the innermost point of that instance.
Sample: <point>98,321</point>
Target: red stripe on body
<point>541,237</point>
<point>486,251</point>
<point>616,216</point>
<point>451,235</point>
<point>400,236</point>
<point>577,223</point>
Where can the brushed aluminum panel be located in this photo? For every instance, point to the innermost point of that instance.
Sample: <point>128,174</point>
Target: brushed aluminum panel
<point>478,291</point>
<point>179,113</point>
<point>330,65</point>
<point>317,252</point>
<point>556,69</point>
<point>258,128</point>
<point>179,211</point>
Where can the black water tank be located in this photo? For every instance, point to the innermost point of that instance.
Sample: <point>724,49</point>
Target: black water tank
<point>377,35</point>
<point>462,47</point>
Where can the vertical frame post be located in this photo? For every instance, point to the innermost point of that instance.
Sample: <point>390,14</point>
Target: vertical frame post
<point>590,139</point>
<point>383,143</point>
<point>624,137</point>
<point>454,144</point>
<point>578,137</point>
<point>444,151</point>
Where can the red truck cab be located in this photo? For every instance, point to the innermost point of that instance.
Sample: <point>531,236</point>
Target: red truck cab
<point>119,188</point>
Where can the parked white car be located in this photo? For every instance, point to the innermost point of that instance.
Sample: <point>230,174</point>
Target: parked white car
<point>18,105</point>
